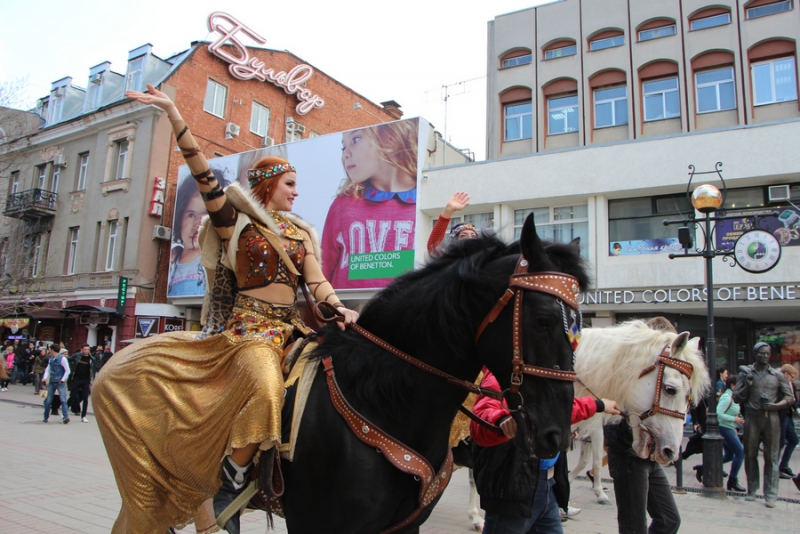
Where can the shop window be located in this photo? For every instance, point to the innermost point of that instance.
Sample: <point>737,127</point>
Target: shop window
<point>561,224</point>
<point>715,90</point>
<point>518,120</point>
<point>637,223</point>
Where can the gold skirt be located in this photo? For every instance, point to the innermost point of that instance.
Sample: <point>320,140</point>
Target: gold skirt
<point>172,406</point>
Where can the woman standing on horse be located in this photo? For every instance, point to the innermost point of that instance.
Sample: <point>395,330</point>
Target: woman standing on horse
<point>172,407</point>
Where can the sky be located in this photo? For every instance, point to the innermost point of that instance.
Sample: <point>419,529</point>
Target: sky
<point>407,52</point>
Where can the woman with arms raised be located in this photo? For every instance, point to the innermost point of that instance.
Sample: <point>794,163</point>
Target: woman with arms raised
<point>172,407</point>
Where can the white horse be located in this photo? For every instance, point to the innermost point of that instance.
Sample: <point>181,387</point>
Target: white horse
<point>635,364</point>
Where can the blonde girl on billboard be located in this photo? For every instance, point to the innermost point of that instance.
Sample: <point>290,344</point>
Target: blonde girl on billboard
<point>375,206</point>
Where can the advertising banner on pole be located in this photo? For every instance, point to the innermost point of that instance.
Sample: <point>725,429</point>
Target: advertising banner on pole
<point>357,188</point>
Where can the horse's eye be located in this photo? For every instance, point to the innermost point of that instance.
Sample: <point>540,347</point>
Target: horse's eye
<point>670,390</point>
<point>542,321</point>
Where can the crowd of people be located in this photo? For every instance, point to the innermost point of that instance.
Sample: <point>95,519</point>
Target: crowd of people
<point>52,373</point>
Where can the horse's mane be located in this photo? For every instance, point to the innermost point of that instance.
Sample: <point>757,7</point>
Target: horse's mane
<point>610,359</point>
<point>435,309</point>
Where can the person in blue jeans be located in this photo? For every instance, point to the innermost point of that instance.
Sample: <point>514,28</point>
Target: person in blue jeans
<point>728,416</point>
<point>55,376</point>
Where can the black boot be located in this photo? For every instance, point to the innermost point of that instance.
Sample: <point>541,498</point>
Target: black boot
<point>733,485</point>
<point>233,483</point>
<point>698,473</point>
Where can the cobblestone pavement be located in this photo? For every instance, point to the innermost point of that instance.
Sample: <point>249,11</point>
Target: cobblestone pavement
<point>57,480</point>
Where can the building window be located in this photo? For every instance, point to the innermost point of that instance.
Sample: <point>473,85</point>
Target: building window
<point>715,90</point>
<point>661,99</point>
<point>610,107</point>
<point>73,249</point>
<point>83,170</point>
<point>481,221</point>
<point>36,255</point>
<point>56,178</point>
<point>120,158</point>
<point>95,90</point>
<point>710,22</point>
<point>561,224</point>
<point>135,69</point>
<point>517,61</point>
<point>518,121</point>
<point>55,105</point>
<point>41,176</point>
<point>637,223</point>
<point>657,33</point>
<point>769,9</point>
<point>111,253</point>
<point>259,120</point>
<point>564,51</point>
<point>15,183</point>
<point>562,114</point>
<point>608,42</point>
<point>215,98</point>
<point>774,81</point>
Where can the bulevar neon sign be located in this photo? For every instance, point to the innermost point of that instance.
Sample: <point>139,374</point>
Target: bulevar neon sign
<point>244,67</point>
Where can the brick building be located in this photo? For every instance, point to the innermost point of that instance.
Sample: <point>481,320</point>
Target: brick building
<point>90,183</point>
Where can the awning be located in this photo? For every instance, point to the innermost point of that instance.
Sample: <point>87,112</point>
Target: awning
<point>82,308</point>
<point>46,313</point>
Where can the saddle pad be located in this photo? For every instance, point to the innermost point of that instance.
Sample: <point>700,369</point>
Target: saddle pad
<point>298,386</point>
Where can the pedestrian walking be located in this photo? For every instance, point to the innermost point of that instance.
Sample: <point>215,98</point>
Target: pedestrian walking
<point>729,419</point>
<point>81,378</point>
<point>55,377</point>
<point>789,439</point>
<point>8,366</point>
<point>39,364</point>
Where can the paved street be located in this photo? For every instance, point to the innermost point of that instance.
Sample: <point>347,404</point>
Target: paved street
<point>57,480</point>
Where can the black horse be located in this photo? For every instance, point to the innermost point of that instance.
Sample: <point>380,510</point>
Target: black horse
<point>336,483</point>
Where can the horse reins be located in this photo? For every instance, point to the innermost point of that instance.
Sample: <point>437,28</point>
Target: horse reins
<point>665,360</point>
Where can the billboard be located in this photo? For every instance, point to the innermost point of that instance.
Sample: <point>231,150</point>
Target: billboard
<point>638,247</point>
<point>785,227</point>
<point>357,188</point>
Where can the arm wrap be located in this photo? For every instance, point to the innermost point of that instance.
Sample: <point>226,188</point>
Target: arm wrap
<point>225,217</point>
<point>215,193</point>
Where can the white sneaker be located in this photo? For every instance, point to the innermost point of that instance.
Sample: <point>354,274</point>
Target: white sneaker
<point>84,420</point>
<point>571,512</point>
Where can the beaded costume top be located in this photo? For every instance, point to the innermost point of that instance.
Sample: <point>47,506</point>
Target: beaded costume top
<point>258,264</point>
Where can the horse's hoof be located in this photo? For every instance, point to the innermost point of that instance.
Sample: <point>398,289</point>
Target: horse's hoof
<point>604,500</point>
<point>477,526</point>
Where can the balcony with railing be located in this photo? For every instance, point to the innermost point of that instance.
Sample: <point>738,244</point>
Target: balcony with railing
<point>31,204</point>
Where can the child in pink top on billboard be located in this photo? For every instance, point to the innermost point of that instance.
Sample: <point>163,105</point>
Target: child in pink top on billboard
<point>373,216</point>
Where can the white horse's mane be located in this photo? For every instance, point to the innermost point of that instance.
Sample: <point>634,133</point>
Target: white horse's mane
<point>609,360</point>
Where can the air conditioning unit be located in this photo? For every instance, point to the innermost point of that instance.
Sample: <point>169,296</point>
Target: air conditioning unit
<point>299,128</point>
<point>60,160</point>
<point>267,141</point>
<point>779,193</point>
<point>162,232</point>
<point>232,129</point>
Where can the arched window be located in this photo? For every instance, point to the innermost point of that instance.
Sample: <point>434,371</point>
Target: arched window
<point>606,39</point>
<point>660,90</point>
<point>515,58</point>
<point>560,48</point>
<point>562,106</point>
<point>762,8</point>
<point>709,17</point>
<point>610,96</point>
<point>714,81</point>
<point>774,72</point>
<point>517,113</point>
<point>657,28</point>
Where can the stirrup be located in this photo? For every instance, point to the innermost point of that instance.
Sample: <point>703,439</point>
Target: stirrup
<point>237,505</point>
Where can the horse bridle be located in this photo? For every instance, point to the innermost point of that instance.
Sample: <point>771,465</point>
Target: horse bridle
<point>665,360</point>
<point>562,286</point>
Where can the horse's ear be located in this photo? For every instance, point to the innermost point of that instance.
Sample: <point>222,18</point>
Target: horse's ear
<point>529,242</point>
<point>679,343</point>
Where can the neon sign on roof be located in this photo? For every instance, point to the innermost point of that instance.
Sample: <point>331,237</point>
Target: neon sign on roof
<point>244,67</point>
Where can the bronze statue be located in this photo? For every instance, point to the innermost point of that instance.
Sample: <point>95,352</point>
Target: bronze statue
<point>762,391</point>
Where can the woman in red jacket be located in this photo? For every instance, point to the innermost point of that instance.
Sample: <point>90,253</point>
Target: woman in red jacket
<point>517,492</point>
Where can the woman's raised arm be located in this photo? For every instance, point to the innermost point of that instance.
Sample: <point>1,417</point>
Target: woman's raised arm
<point>220,210</point>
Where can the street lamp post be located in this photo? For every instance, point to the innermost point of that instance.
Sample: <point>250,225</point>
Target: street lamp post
<point>760,255</point>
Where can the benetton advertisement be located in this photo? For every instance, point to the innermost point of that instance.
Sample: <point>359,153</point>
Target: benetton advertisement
<point>358,188</point>
<point>785,226</point>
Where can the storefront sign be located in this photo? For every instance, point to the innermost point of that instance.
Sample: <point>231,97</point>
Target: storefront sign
<point>785,226</point>
<point>15,323</point>
<point>645,246</point>
<point>692,294</point>
<point>146,326</point>
<point>157,202</point>
<point>173,324</point>
<point>243,67</point>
